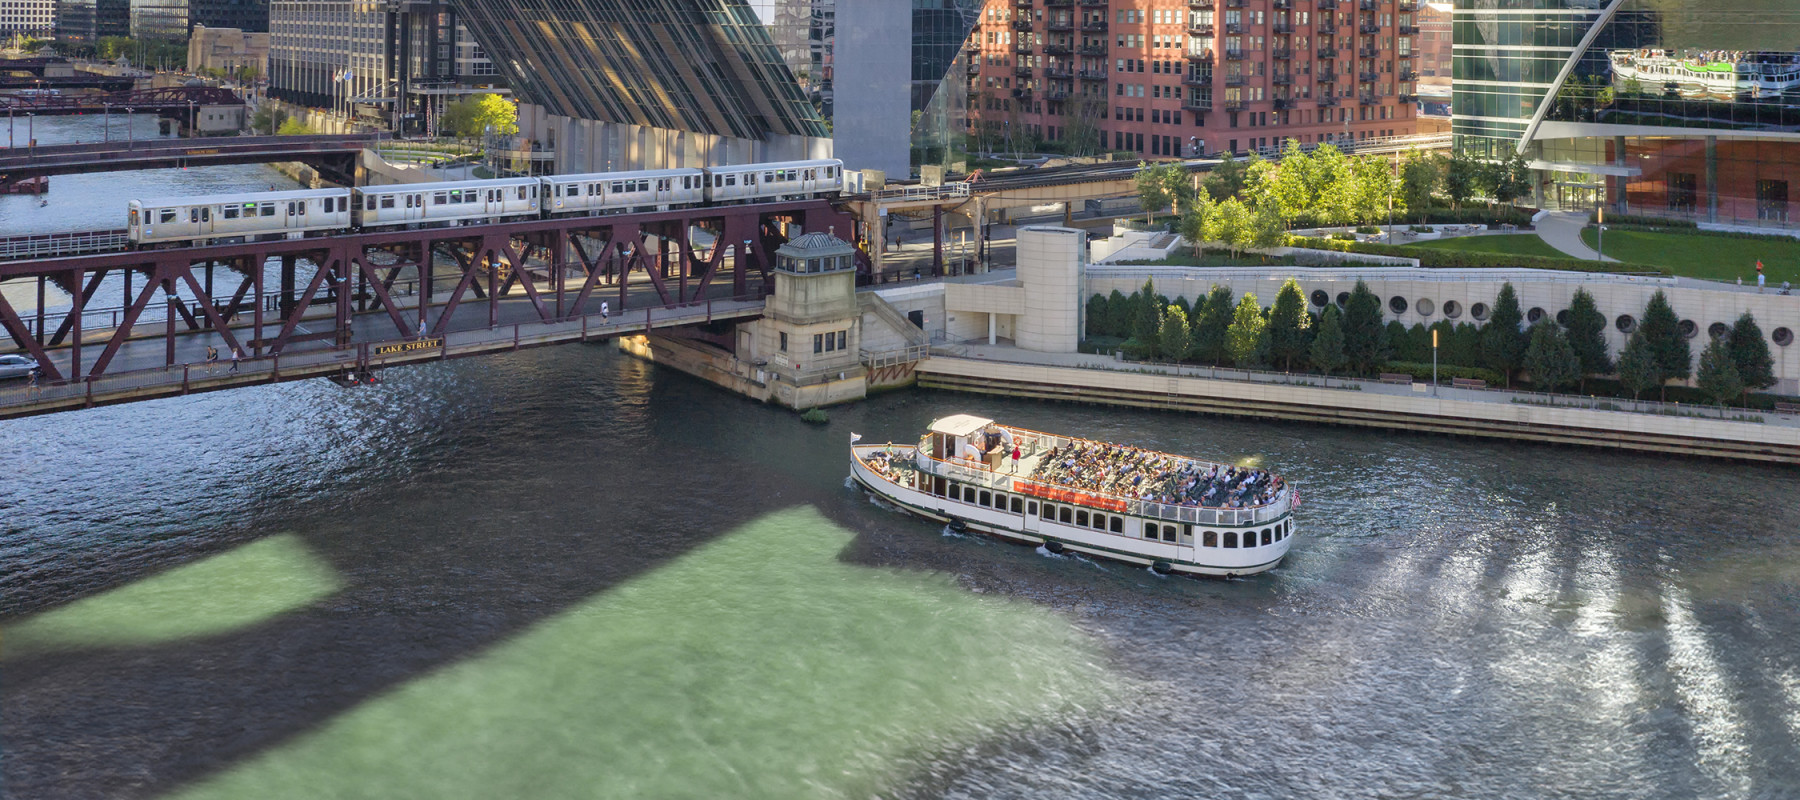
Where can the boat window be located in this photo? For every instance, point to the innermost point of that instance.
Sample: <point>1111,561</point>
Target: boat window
<point>1016,504</point>
<point>1048,511</point>
<point>1081,518</point>
<point>1062,514</point>
<point>1168,533</point>
<point>1099,522</point>
<point>1266,536</point>
<point>1231,538</point>
<point>1116,524</point>
<point>1187,534</point>
<point>1150,530</point>
<point>1209,539</point>
<point>986,499</point>
<point>1031,508</point>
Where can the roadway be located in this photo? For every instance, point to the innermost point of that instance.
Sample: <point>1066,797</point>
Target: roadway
<point>127,154</point>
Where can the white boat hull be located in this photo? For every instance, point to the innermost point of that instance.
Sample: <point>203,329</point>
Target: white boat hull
<point>1129,546</point>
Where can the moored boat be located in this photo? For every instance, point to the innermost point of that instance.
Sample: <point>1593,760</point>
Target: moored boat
<point>1168,512</point>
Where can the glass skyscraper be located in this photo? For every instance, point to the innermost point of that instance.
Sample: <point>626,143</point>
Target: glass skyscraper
<point>1681,107</point>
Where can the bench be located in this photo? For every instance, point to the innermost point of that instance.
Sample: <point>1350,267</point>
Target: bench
<point>1468,383</point>
<point>1396,377</point>
<point>1787,408</point>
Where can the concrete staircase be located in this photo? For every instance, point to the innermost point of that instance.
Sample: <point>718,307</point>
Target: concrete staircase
<point>872,303</point>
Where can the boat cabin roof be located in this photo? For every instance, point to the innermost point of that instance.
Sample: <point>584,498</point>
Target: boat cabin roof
<point>960,424</point>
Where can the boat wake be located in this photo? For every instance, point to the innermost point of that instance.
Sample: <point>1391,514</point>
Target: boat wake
<point>952,533</point>
<point>1045,552</point>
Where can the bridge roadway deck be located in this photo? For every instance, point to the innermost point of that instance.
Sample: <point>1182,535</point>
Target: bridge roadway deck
<point>146,369</point>
<point>116,155</point>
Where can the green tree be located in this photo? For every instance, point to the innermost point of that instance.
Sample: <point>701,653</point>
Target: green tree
<point>1399,348</point>
<point>1245,337</point>
<point>471,116</point>
<point>1418,339</point>
<point>1158,186</point>
<point>1464,349</point>
<point>267,120</point>
<point>1419,178</point>
<point>1511,178</point>
<point>1750,354</point>
<point>1209,330</point>
<point>1236,226</point>
<point>1199,222</point>
<point>1365,339</point>
<point>1291,187</point>
<point>1118,311</point>
<point>1096,315</point>
<point>1661,329</point>
<point>1549,358</point>
<point>1289,326</point>
<point>1172,337</point>
<point>1227,179</point>
<point>1147,317</point>
<point>1502,341</point>
<point>1638,367</point>
<point>1267,230</point>
<point>1327,349</point>
<point>1719,377</point>
<point>1587,335</point>
<point>293,127</point>
<point>1462,177</point>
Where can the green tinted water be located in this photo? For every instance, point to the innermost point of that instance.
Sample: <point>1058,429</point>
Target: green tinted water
<point>758,665</point>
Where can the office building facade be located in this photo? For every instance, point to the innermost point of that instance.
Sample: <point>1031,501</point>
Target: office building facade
<point>1678,107</point>
<point>176,19</point>
<point>27,17</point>
<point>86,21</point>
<point>1170,79</point>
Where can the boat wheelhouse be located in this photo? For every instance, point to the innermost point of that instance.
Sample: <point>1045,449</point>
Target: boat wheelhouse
<point>1171,513</point>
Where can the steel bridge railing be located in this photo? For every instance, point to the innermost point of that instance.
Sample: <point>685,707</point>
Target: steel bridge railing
<point>50,245</point>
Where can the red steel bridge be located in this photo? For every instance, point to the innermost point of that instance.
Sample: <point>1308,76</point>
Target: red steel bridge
<point>165,101</point>
<point>138,323</point>
<point>334,154</point>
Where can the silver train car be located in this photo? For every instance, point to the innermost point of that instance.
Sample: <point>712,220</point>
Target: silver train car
<point>268,215</point>
<point>261,215</point>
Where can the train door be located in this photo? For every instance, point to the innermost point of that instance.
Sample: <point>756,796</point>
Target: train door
<point>200,218</point>
<point>662,190</point>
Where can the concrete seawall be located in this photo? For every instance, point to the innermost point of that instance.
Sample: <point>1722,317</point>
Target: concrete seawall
<point>1648,433</point>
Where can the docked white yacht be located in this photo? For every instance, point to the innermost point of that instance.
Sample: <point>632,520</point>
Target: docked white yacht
<point>1170,513</point>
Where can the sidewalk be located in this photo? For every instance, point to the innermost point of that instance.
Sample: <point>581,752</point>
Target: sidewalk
<point>1562,230</point>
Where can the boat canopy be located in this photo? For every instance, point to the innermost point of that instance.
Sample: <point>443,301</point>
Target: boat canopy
<point>960,424</point>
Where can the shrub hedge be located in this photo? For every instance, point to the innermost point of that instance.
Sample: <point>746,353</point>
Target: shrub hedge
<point>1422,372</point>
<point>1458,259</point>
<point>1646,221</point>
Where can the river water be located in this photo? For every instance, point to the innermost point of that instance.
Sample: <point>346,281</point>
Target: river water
<point>565,573</point>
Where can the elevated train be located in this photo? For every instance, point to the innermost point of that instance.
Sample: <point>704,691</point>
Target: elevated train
<point>293,214</point>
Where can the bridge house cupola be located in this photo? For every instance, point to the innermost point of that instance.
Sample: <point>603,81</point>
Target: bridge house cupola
<point>812,326</point>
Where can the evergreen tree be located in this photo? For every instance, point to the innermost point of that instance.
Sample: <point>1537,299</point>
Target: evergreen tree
<point>1446,333</point>
<point>1465,350</point>
<point>1186,310</point>
<point>1549,358</point>
<point>1172,338</point>
<point>1587,335</point>
<point>1399,347</point>
<point>1638,367</point>
<point>1365,340</point>
<point>1418,339</point>
<point>1096,315</point>
<point>1662,331</point>
<point>1147,317</point>
<point>1502,342</point>
<point>1719,377</point>
<point>1244,338</point>
<point>1117,307</point>
<point>1209,330</point>
<point>1327,349</point>
<point>1289,333</point>
<point>1750,354</point>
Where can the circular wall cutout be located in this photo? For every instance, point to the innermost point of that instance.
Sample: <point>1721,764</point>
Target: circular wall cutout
<point>1320,298</point>
<point>1479,311</point>
<point>1562,318</point>
<point>1782,337</point>
<point>1424,306</point>
<point>1689,328</point>
<point>1717,330</point>
<point>1534,315</point>
<point>1625,323</point>
<point>1452,309</point>
<point>1397,304</point>
<point>1343,298</point>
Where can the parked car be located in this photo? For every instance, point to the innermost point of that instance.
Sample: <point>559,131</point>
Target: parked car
<point>16,366</point>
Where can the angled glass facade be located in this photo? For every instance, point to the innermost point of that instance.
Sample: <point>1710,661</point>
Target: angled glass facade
<point>1683,107</point>
<point>706,66</point>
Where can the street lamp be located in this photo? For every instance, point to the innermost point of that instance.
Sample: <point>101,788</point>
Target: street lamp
<point>30,130</point>
<point>106,136</point>
<point>193,120</point>
<point>130,140</point>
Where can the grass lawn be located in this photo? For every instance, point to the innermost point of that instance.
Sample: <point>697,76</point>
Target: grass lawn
<point>1523,244</point>
<point>1720,258</point>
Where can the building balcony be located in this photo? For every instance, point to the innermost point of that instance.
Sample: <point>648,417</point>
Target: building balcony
<point>1200,55</point>
<point>1023,72</point>
<point>1059,73</point>
<point>1283,103</point>
<point>1408,30</point>
<point>1021,94</point>
<point>1326,101</point>
<point>1367,77</point>
<point>1197,79</point>
<point>1094,26</point>
<point>1368,100</point>
<point>1282,28</point>
<point>1060,3</point>
<point>1407,76</point>
<point>1282,79</point>
<point>1025,4</point>
<point>1056,95</point>
<point>1058,49</point>
<point>1201,103</point>
<point>1366,5</point>
<point>1200,29</point>
<point>1368,52</point>
<point>1409,97</point>
<point>1283,5</point>
<point>1409,5</point>
<point>1200,5</point>
<point>1023,48</point>
<point>1368,27</point>
<point>1234,28</point>
<point>1093,2</point>
<point>1021,24</point>
<point>1236,80</point>
<point>1091,75</point>
<point>1063,25</point>
<point>1234,3</point>
<point>1234,55</point>
<point>1328,52</point>
<point>1234,105</point>
<point>1328,5</point>
<point>1325,77</point>
<point>1281,54</point>
<point>1327,27</point>
<point>1092,50</point>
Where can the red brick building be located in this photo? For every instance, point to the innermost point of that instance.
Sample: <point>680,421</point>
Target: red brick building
<point>1167,78</point>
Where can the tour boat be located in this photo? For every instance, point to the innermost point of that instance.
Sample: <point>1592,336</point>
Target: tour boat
<point>1718,73</point>
<point>1167,512</point>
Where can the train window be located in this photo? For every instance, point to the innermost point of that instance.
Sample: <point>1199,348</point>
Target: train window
<point>229,212</point>
<point>618,186</point>
<point>165,215</point>
<point>521,193</point>
<point>731,180</point>
<point>572,190</point>
<point>193,215</point>
<point>439,198</point>
<point>302,208</point>
<point>830,171</point>
<point>662,185</point>
<point>266,210</point>
<point>206,214</point>
<point>387,201</point>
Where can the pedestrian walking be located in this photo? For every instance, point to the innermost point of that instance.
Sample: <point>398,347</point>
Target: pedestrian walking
<point>603,311</point>
<point>212,357</point>
<point>1759,277</point>
<point>421,327</point>
<point>236,353</point>
<point>31,380</point>
<point>1015,458</point>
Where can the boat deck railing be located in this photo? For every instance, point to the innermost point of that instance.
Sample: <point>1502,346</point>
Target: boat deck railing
<point>978,473</point>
